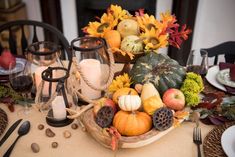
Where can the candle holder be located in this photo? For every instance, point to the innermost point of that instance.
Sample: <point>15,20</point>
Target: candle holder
<point>43,54</point>
<point>95,65</point>
<point>54,101</point>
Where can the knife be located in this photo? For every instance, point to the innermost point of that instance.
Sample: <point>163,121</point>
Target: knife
<point>9,131</point>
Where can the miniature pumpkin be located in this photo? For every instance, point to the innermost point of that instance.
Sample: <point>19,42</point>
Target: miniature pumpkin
<point>129,102</point>
<point>129,44</point>
<point>113,38</point>
<point>132,123</point>
<point>123,91</point>
<point>158,69</point>
<point>128,27</point>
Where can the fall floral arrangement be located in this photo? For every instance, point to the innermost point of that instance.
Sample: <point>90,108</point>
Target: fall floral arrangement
<point>134,34</point>
<point>138,100</point>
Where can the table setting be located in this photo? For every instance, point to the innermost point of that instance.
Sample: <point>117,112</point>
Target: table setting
<point>103,106</point>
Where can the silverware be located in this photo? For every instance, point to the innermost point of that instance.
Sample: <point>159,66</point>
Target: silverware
<point>9,131</point>
<point>23,130</point>
<point>197,139</point>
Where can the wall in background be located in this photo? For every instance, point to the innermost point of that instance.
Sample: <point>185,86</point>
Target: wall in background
<point>214,23</point>
<point>69,19</point>
<point>163,6</point>
<point>34,13</point>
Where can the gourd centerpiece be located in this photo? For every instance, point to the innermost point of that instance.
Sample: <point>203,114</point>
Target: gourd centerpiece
<point>133,112</point>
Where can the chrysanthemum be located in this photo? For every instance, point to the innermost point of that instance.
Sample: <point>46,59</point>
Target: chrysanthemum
<point>154,40</point>
<point>118,13</point>
<point>119,82</point>
<point>98,29</point>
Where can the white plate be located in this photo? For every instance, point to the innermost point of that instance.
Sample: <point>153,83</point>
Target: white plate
<point>211,78</point>
<point>223,77</point>
<point>20,62</point>
<point>228,141</point>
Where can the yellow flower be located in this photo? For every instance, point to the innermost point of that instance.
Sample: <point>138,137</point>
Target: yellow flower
<point>154,40</point>
<point>166,17</point>
<point>98,29</point>
<point>148,22</point>
<point>119,82</point>
<point>118,13</point>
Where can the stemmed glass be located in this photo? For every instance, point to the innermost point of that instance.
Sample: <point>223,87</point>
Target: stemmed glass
<point>198,62</point>
<point>22,82</point>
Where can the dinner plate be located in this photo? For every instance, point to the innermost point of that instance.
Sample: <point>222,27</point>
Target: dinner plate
<point>228,141</point>
<point>211,78</point>
<point>223,77</point>
<point>20,62</point>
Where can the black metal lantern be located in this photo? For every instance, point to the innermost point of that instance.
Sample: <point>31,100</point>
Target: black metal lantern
<point>52,96</point>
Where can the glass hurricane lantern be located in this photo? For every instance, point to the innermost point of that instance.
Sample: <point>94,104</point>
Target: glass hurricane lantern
<point>95,65</point>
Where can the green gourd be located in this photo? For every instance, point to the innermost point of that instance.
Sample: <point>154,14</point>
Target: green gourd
<point>158,69</point>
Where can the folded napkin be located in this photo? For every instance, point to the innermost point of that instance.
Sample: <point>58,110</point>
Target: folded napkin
<point>232,74</point>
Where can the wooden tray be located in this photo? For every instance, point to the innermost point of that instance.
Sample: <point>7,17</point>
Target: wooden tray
<point>125,59</point>
<point>104,139</point>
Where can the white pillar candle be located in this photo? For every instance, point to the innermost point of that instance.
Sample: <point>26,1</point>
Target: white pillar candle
<point>91,69</point>
<point>58,108</point>
<point>38,80</point>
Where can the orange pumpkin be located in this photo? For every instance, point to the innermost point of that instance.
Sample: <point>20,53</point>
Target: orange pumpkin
<point>132,123</point>
<point>113,38</point>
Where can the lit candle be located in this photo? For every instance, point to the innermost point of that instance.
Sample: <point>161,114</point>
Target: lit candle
<point>58,108</point>
<point>91,69</point>
<point>38,79</point>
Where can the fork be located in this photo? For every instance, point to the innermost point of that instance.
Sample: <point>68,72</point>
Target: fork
<point>197,139</point>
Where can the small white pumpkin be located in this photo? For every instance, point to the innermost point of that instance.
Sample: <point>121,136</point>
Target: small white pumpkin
<point>129,102</point>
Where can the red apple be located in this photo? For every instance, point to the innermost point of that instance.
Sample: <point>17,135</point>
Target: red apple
<point>104,102</point>
<point>6,59</point>
<point>174,99</point>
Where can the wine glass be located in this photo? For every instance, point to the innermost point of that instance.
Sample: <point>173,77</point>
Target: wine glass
<point>22,82</point>
<point>198,62</point>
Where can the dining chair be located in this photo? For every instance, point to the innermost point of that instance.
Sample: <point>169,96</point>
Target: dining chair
<point>226,48</point>
<point>18,44</point>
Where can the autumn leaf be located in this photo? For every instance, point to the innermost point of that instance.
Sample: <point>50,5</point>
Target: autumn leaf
<point>115,136</point>
<point>176,37</point>
<point>140,12</point>
<point>181,114</point>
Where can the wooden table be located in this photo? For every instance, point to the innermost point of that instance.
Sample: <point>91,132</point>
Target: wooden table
<point>177,143</point>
